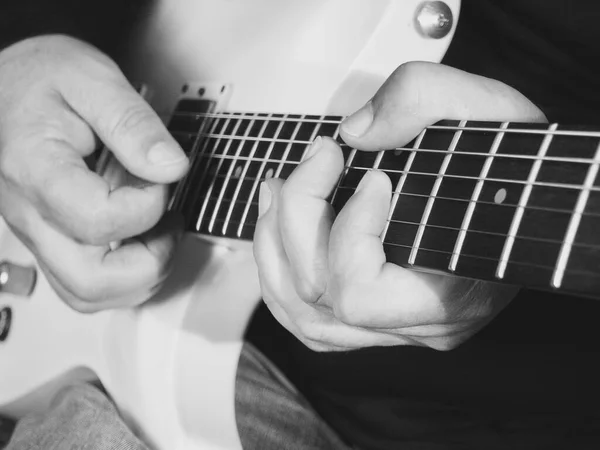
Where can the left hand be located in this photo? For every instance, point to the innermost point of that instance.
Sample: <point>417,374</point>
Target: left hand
<point>325,278</point>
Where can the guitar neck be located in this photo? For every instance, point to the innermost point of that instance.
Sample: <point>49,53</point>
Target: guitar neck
<point>505,202</point>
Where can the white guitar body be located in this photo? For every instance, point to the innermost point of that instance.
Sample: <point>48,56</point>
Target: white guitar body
<point>170,365</point>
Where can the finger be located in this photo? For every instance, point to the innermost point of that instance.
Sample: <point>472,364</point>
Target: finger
<point>269,254</point>
<point>364,289</point>
<point>305,217</point>
<point>356,252</point>
<point>125,123</point>
<point>419,94</point>
<point>83,204</point>
<point>94,278</point>
<point>312,324</point>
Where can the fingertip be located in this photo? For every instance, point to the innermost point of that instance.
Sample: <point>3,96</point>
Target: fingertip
<point>165,154</point>
<point>320,169</point>
<point>375,181</point>
<point>268,196</point>
<point>358,124</point>
<point>167,162</point>
<point>164,163</point>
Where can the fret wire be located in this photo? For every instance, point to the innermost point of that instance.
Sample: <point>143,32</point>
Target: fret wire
<point>182,187</point>
<point>429,206</point>
<point>563,159</point>
<point>474,198</point>
<point>516,222</point>
<point>286,152</point>
<point>186,183</point>
<point>401,181</point>
<point>378,159</point>
<point>573,227</point>
<point>212,183</point>
<point>456,177</point>
<point>261,132</point>
<point>228,176</point>
<point>258,178</point>
<point>339,119</point>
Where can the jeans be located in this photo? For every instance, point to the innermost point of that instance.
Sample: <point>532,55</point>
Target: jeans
<point>270,412</point>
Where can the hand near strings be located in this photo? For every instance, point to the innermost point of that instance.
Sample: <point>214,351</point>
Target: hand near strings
<point>325,278</point>
<point>57,95</point>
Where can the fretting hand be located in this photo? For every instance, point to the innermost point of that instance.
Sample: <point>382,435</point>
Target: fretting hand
<point>325,278</point>
<point>56,95</point>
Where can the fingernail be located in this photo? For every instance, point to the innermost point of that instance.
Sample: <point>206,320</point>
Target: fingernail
<point>163,154</point>
<point>313,148</point>
<point>264,198</point>
<point>358,123</point>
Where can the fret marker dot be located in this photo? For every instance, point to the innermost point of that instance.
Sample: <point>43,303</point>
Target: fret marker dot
<point>269,174</point>
<point>500,196</point>
<point>238,172</point>
<point>397,152</point>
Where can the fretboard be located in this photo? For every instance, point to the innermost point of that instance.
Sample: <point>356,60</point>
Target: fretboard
<point>506,202</point>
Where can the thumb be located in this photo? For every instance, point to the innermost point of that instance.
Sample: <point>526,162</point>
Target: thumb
<point>419,94</point>
<point>127,125</point>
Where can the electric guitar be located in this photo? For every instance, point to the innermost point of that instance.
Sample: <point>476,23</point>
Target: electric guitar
<point>514,203</point>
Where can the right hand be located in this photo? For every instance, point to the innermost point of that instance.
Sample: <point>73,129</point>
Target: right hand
<point>57,96</point>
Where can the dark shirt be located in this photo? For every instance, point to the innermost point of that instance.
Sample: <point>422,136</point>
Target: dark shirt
<point>530,378</point>
<point>106,24</point>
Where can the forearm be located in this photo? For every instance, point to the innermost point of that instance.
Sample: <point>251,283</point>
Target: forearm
<point>105,24</point>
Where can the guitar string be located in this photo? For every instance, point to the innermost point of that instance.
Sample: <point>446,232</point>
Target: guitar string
<point>338,120</point>
<point>429,226</point>
<point>397,150</point>
<point>244,202</point>
<point>570,186</point>
<point>454,229</point>
<point>470,255</point>
<point>562,159</point>
<point>454,199</point>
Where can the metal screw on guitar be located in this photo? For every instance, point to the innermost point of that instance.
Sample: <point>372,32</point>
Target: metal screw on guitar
<point>434,19</point>
<point>17,280</point>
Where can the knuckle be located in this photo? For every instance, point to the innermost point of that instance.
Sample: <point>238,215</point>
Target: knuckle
<point>309,292</point>
<point>83,307</point>
<point>445,344</point>
<point>317,346</point>
<point>311,330</point>
<point>412,71</point>
<point>88,290</point>
<point>93,226</point>
<point>348,310</point>
<point>410,83</point>
<point>133,118</point>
